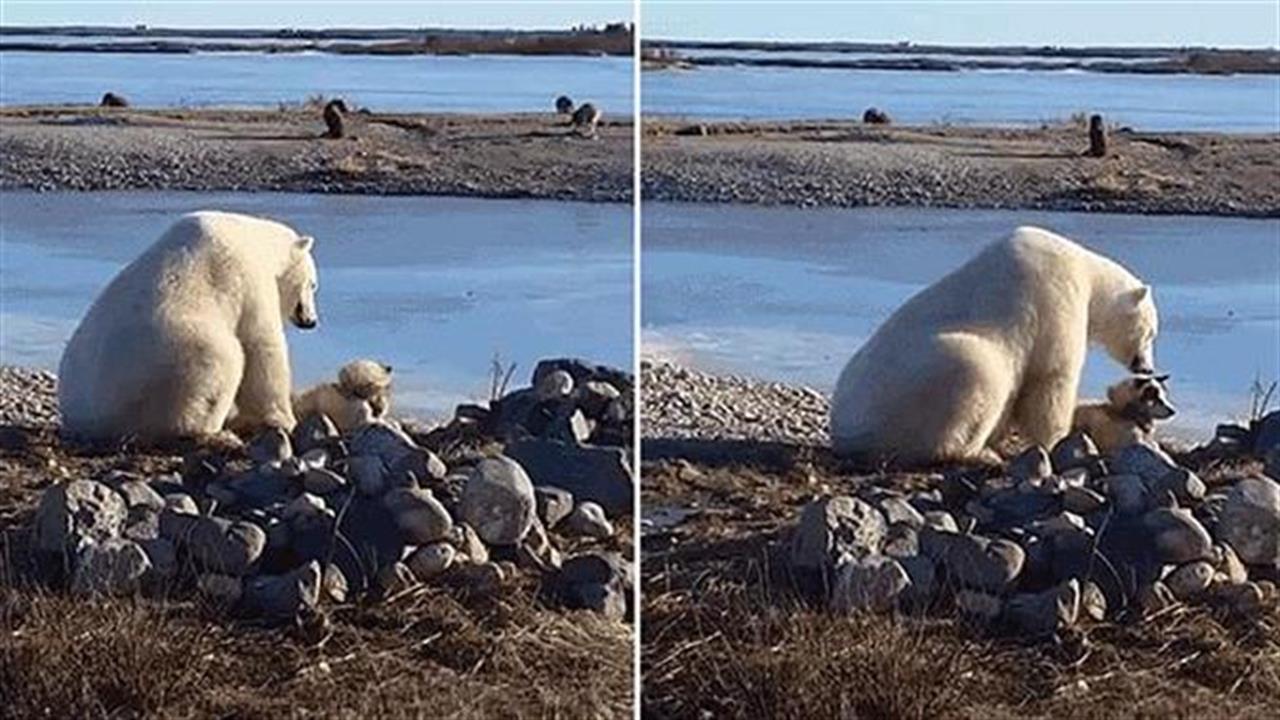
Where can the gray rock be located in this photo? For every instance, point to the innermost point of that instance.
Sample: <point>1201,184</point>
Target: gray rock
<point>483,578</point>
<point>974,561</point>
<point>1190,581</point>
<point>980,606</point>
<point>334,585</point>
<point>1176,536</point>
<point>1158,471</point>
<point>322,481</point>
<point>71,513</point>
<point>608,600</point>
<point>594,581</point>
<point>1229,569</point>
<point>571,428</point>
<point>1045,613</point>
<point>222,546</point>
<point>395,578</point>
<point>422,519</point>
<point>871,583</point>
<point>270,445</point>
<point>1093,602</point>
<point>1076,450</point>
<point>369,473</point>
<point>1266,433</point>
<point>305,508</point>
<point>1128,493</point>
<point>554,384</point>
<point>468,543</point>
<point>588,520</point>
<point>181,503</point>
<point>594,397</point>
<point>114,566</point>
<point>1245,600</point>
<point>941,520</point>
<point>901,541</point>
<point>384,441</point>
<point>1031,463</point>
<point>1082,501</point>
<point>430,561</point>
<point>498,501</point>
<point>898,510</point>
<point>138,494</point>
<point>834,526</point>
<point>314,431</point>
<point>554,504</point>
<point>223,591</point>
<point>1250,521</point>
<point>163,555</point>
<point>924,582</point>
<point>281,597</point>
<point>599,474</point>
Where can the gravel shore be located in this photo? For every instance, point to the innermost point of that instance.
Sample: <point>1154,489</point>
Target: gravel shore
<point>848,164</point>
<point>686,404</point>
<point>28,397</point>
<point>530,155</point>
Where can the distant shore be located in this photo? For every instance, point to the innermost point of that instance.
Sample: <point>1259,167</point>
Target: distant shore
<point>851,164</point>
<point>614,39</point>
<point>660,54</point>
<point>516,155</point>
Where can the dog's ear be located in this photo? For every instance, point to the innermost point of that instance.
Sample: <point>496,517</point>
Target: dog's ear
<point>387,369</point>
<point>1162,379</point>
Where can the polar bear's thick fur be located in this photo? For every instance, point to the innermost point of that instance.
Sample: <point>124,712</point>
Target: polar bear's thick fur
<point>362,394</point>
<point>1128,415</point>
<point>998,344</point>
<point>190,334</point>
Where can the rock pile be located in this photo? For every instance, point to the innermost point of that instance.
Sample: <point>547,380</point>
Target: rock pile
<point>1061,537</point>
<point>319,517</point>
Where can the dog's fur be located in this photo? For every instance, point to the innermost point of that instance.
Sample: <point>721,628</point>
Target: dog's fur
<point>1129,413</point>
<point>361,394</point>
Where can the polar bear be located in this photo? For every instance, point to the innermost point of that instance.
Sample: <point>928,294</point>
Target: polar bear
<point>362,394</point>
<point>1128,415</point>
<point>996,345</point>
<point>190,335</point>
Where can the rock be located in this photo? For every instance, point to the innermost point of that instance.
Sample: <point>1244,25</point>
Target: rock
<point>163,555</point>
<point>1250,521</point>
<point>139,494</point>
<point>553,385</point>
<point>421,518</point>
<point>594,581</point>
<point>1229,569</point>
<point>1272,463</point>
<point>221,590</point>
<point>222,546</point>
<point>395,579</point>
<point>588,520</point>
<point>468,543</point>
<point>314,431</point>
<point>1176,536</point>
<point>898,510</point>
<point>384,441</point>
<point>979,606</point>
<point>600,474</point>
<point>834,526</point>
<point>974,561</point>
<point>113,100</point>
<point>1076,450</point>
<point>1245,600</point>
<point>594,396</point>
<point>876,116</point>
<point>304,508</point>
<point>608,600</point>
<point>1191,580</point>
<point>322,481</point>
<point>554,504</point>
<point>923,575</point>
<point>181,503</point>
<point>333,584</point>
<point>941,520</point>
<point>368,473</point>
<point>258,487</point>
<point>1266,433</point>
<point>280,597</point>
<point>871,583</point>
<point>1093,602</point>
<point>901,541</point>
<point>1031,463</point>
<point>271,445</point>
<point>1128,493</point>
<point>1045,613</point>
<point>572,428</point>
<point>430,561</point>
<point>1158,471</point>
<point>78,511</point>
<point>1082,501</point>
<point>114,566</point>
<point>482,578</point>
<point>498,501</point>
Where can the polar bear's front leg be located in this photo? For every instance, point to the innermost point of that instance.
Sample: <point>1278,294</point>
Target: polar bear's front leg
<point>1045,407</point>
<point>264,395</point>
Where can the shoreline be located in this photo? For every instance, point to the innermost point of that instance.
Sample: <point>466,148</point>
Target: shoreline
<point>850,164</point>
<point>509,155</point>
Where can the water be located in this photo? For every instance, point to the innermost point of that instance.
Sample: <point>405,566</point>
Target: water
<point>830,55</point>
<point>473,83</point>
<point>788,294</point>
<point>1235,103</point>
<point>433,286</point>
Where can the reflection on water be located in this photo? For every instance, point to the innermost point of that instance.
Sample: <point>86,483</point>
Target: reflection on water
<point>433,286</point>
<point>789,294</point>
<point>1235,103</point>
<point>474,83</point>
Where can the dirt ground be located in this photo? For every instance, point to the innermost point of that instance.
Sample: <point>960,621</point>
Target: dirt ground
<point>727,634</point>
<point>532,155</point>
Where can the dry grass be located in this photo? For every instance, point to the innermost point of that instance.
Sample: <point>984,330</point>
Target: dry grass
<point>431,652</point>
<point>726,634</point>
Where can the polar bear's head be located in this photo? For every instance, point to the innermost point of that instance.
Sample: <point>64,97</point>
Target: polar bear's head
<point>1129,334</point>
<point>298,285</point>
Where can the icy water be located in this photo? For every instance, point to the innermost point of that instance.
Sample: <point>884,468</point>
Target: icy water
<point>787,294</point>
<point>433,286</point>
<point>476,83</point>
<point>1235,103</point>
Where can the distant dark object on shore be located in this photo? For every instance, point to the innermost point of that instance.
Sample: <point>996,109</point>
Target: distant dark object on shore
<point>333,111</point>
<point>113,100</point>
<point>876,116</point>
<point>564,105</point>
<point>585,120</point>
<point>1097,137</point>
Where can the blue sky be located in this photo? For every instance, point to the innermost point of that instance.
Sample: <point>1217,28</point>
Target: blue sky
<point>317,13</point>
<point>1024,22</point>
<point>1250,23</point>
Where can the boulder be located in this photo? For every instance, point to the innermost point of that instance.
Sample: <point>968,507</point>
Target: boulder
<point>974,561</point>
<point>1250,521</point>
<point>283,597</point>
<point>270,445</point>
<point>588,520</point>
<point>1189,581</point>
<point>498,501</point>
<point>599,474</point>
<point>871,583</point>
<point>1031,463</point>
<point>835,526</point>
<point>78,511</point>
<point>222,546</point>
<point>1176,537</point>
<point>1047,612</point>
<point>422,519</point>
<point>114,566</point>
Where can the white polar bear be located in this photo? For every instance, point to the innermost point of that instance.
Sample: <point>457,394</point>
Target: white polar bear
<point>191,334</point>
<point>997,344</point>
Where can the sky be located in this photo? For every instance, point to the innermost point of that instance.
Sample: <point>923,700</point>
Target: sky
<point>1241,23</point>
<point>1255,23</point>
<point>521,14</point>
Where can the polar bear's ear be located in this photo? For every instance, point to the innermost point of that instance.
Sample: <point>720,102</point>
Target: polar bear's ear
<point>1137,295</point>
<point>304,243</point>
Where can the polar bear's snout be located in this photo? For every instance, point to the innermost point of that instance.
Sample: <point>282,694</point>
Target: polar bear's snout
<point>303,316</point>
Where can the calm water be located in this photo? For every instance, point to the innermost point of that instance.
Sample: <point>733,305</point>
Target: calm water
<point>477,83</point>
<point>433,286</point>
<point>790,294</point>
<point>1236,103</point>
